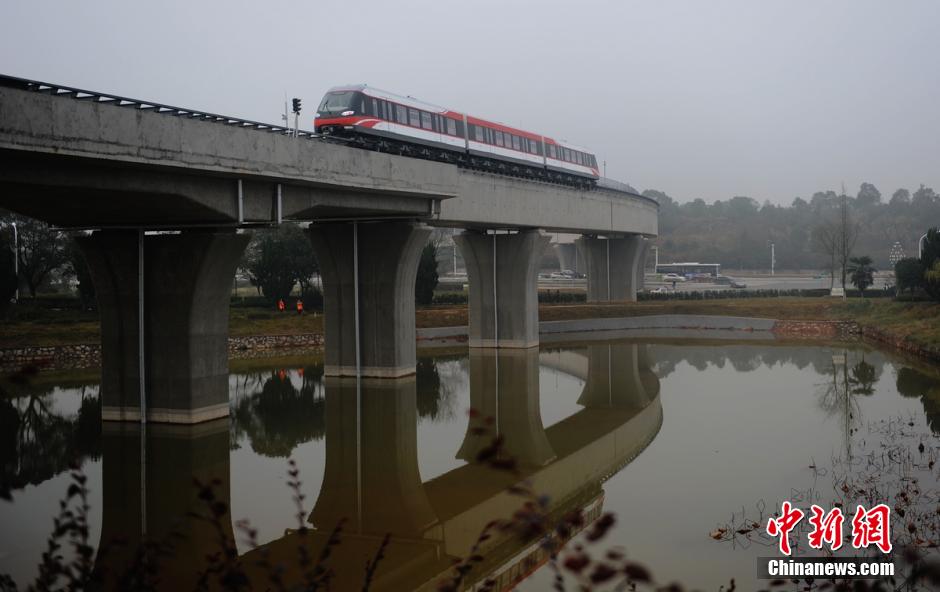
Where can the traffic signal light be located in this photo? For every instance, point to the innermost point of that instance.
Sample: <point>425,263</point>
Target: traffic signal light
<point>296,103</point>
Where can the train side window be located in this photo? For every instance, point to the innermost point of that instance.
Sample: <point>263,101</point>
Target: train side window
<point>499,138</point>
<point>477,132</point>
<point>426,120</point>
<point>532,146</point>
<point>414,119</point>
<point>551,151</point>
<point>515,143</point>
<point>567,155</point>
<point>375,108</point>
<point>451,127</point>
<point>402,114</point>
<point>461,130</point>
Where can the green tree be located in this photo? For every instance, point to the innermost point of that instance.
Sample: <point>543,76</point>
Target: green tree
<point>426,280</point>
<point>41,250</point>
<point>925,196</point>
<point>929,258</point>
<point>901,197</point>
<point>7,270</point>
<point>908,274</point>
<point>76,267</point>
<point>861,272</point>
<point>868,195</point>
<point>279,259</point>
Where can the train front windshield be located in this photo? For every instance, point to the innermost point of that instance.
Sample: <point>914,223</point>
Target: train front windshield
<point>335,103</point>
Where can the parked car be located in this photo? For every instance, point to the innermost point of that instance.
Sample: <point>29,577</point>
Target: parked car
<point>673,277</point>
<point>724,280</point>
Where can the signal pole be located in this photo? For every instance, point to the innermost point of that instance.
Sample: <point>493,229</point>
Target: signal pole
<point>296,104</point>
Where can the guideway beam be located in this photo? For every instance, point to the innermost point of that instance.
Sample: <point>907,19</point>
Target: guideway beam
<point>388,255</point>
<point>187,286</point>
<point>612,265</point>
<point>512,307</point>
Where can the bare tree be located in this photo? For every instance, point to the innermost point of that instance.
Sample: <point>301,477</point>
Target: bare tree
<point>836,239</point>
<point>826,238</point>
<point>847,234</point>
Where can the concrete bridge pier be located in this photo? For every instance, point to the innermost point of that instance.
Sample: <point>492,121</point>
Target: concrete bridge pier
<point>387,255</point>
<point>612,267</point>
<point>618,376</point>
<point>371,477</point>
<point>503,274</point>
<point>570,257</point>
<point>504,393</point>
<point>641,265</point>
<point>187,283</point>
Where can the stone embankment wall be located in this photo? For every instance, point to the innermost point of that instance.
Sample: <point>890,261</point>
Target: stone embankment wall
<point>255,346</point>
<point>901,343</point>
<point>817,329</point>
<point>88,355</point>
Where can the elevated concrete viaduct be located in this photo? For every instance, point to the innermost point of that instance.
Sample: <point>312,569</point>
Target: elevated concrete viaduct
<point>175,177</point>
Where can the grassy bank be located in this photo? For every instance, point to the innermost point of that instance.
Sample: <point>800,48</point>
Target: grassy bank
<point>919,321</point>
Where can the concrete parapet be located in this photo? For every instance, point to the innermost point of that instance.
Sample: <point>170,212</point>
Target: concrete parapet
<point>187,281</point>
<point>504,314</point>
<point>388,263</point>
<point>612,267</point>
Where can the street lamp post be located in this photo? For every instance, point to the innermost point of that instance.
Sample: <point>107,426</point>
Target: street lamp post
<point>920,246</point>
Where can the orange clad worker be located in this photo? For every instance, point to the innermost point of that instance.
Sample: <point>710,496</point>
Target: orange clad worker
<point>300,306</point>
<point>280,305</point>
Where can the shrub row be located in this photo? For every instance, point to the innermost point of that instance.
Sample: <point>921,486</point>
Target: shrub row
<point>727,294</point>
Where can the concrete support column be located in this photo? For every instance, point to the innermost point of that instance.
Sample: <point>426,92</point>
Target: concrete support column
<point>388,263</point>
<point>567,254</point>
<point>641,265</point>
<point>371,477</point>
<point>510,306</point>
<point>611,267</point>
<point>504,386</point>
<point>187,286</point>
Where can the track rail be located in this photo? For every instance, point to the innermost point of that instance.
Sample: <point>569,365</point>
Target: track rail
<point>79,94</point>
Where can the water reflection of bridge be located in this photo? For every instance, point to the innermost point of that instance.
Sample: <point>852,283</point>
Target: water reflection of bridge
<point>372,479</point>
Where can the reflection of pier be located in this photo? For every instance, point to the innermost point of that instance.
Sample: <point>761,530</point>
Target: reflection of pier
<point>372,482</point>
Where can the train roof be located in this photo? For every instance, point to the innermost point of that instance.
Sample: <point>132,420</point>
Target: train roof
<point>419,104</point>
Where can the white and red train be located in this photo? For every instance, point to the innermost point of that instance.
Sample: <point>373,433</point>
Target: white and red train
<point>388,122</point>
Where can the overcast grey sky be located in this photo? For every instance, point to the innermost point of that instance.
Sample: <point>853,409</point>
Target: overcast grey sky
<point>699,99</point>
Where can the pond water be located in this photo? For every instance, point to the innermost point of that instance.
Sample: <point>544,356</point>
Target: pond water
<point>673,439</point>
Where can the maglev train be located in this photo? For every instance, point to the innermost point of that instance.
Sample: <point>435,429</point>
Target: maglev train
<point>384,121</point>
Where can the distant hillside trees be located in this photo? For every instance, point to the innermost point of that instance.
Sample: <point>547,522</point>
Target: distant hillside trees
<point>737,232</point>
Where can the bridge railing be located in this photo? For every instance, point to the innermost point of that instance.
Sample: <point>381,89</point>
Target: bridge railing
<point>118,101</point>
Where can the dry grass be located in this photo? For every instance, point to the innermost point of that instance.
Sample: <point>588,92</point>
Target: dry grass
<point>919,320</point>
